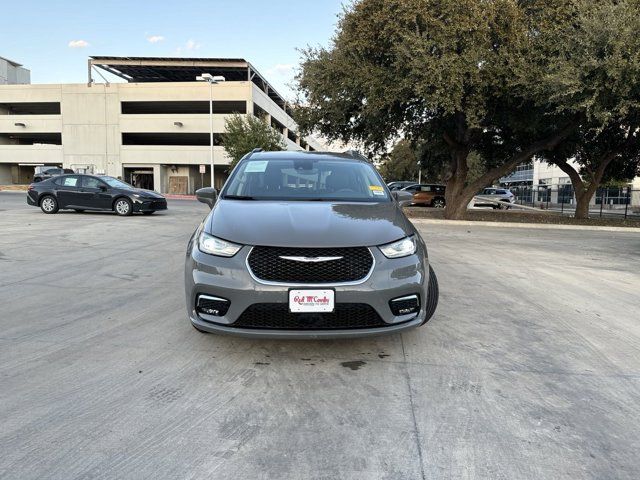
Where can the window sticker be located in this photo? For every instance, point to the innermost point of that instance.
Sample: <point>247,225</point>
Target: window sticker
<point>256,166</point>
<point>376,190</point>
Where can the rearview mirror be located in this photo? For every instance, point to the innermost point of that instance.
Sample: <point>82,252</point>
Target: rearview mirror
<point>207,195</point>
<point>403,197</point>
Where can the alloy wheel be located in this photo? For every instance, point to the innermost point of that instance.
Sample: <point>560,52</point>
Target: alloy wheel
<point>48,204</point>
<point>122,207</point>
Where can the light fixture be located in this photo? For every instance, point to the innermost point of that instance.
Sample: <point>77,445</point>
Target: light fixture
<point>211,80</point>
<point>178,124</point>
<point>20,124</point>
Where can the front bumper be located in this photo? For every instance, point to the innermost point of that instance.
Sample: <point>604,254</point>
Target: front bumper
<point>229,278</point>
<point>149,204</point>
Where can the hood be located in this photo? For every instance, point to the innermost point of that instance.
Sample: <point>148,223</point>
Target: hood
<point>307,224</point>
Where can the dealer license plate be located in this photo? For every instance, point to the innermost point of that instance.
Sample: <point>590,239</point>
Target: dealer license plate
<point>301,301</point>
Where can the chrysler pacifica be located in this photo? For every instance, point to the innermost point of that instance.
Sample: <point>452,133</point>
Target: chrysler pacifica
<point>307,245</point>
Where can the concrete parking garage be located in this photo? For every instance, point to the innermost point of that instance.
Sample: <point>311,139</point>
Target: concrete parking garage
<point>529,369</point>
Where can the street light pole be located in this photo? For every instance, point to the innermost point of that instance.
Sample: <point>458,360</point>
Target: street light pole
<point>207,77</point>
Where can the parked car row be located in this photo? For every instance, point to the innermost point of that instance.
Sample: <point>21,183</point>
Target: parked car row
<point>433,195</point>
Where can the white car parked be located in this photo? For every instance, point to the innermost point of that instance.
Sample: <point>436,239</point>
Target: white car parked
<point>489,196</point>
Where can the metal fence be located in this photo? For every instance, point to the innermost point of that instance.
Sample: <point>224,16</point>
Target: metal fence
<point>607,201</point>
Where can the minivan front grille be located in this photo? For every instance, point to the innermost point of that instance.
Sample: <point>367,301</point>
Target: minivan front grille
<point>310,265</point>
<point>278,316</point>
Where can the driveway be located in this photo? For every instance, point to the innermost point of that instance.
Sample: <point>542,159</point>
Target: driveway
<point>529,369</point>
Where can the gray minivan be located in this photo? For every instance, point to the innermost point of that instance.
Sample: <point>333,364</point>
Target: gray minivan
<point>307,245</point>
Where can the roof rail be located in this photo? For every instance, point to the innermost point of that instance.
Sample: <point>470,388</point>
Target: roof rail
<point>247,155</point>
<point>356,154</point>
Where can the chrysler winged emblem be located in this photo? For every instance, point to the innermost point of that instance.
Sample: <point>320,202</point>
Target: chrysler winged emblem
<point>310,259</point>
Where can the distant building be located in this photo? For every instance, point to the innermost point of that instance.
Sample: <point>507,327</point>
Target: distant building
<point>151,128</point>
<point>539,181</point>
<point>12,73</point>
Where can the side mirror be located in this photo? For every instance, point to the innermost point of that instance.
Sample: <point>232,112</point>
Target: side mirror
<point>207,195</point>
<point>103,188</point>
<point>402,197</point>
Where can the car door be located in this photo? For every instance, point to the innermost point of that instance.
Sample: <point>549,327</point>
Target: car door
<point>67,190</point>
<point>413,189</point>
<point>94,193</point>
<point>424,195</point>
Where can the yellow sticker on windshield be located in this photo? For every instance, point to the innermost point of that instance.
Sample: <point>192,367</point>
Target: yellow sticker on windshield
<point>377,188</point>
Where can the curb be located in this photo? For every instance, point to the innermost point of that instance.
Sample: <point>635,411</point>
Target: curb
<point>179,197</point>
<point>533,226</point>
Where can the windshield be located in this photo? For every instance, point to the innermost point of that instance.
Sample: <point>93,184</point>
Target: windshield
<point>114,182</point>
<point>306,179</point>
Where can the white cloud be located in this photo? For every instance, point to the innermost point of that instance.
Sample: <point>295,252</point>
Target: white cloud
<point>78,44</point>
<point>281,70</point>
<point>191,45</point>
<point>155,38</point>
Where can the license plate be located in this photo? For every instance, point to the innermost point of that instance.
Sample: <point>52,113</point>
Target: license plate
<point>311,301</point>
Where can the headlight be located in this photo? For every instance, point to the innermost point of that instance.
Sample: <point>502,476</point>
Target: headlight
<point>400,248</point>
<point>216,246</point>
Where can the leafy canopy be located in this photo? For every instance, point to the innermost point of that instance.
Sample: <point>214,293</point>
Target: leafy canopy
<point>246,132</point>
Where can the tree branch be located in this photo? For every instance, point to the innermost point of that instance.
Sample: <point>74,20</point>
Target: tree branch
<point>545,144</point>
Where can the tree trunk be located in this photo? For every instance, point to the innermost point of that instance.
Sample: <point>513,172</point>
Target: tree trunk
<point>456,208</point>
<point>583,199</point>
<point>582,206</point>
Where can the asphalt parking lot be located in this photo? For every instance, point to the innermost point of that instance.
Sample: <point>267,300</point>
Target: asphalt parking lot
<point>529,369</point>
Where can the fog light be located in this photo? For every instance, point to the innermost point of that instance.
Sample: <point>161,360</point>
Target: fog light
<point>214,306</point>
<point>405,305</point>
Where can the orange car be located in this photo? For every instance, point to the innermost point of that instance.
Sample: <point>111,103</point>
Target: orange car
<point>429,195</point>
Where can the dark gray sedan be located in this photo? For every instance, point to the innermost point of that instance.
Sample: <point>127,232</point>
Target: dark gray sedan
<point>307,245</point>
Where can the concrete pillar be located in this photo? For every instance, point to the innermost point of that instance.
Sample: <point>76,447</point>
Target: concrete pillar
<point>157,180</point>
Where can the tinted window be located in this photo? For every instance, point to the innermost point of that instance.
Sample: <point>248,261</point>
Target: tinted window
<point>501,192</point>
<point>92,182</point>
<point>425,188</point>
<point>306,179</point>
<point>488,191</point>
<point>114,182</point>
<point>68,181</point>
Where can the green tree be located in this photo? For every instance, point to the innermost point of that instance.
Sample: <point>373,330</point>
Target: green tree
<point>246,132</point>
<point>608,155</point>
<point>457,76</point>
<point>602,46</point>
<point>401,163</point>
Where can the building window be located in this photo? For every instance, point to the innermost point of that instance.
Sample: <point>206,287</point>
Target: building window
<point>183,107</point>
<point>182,139</point>
<point>31,138</point>
<point>30,108</point>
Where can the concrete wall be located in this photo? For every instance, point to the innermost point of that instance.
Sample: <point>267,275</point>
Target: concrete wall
<point>91,124</point>
<point>13,74</point>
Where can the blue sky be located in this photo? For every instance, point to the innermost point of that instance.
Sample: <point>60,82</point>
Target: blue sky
<point>53,38</point>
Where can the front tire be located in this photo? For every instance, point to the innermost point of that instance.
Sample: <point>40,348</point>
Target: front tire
<point>49,204</point>
<point>438,203</point>
<point>433,294</point>
<point>123,207</point>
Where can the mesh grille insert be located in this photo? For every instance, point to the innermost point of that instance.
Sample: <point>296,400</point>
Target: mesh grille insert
<point>354,264</point>
<point>277,316</point>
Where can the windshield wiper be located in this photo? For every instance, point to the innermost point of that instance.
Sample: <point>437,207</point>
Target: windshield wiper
<point>238,197</point>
